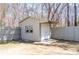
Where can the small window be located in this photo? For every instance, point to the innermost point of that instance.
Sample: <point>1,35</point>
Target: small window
<point>31,31</point>
<point>27,30</point>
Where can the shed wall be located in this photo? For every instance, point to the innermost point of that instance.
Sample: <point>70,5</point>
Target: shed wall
<point>33,36</point>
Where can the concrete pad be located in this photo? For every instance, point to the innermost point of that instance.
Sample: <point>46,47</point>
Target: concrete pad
<point>48,42</point>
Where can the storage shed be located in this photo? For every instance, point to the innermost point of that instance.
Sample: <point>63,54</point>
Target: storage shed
<point>34,29</point>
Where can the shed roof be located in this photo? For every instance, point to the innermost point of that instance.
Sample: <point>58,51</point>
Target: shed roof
<point>24,19</point>
<point>37,18</point>
<point>41,20</point>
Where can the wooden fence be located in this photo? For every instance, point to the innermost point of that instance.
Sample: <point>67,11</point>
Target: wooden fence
<point>8,33</point>
<point>66,33</point>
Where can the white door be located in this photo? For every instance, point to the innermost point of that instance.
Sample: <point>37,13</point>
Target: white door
<point>45,32</point>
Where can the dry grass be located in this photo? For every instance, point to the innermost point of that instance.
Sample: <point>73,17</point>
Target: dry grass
<point>58,47</point>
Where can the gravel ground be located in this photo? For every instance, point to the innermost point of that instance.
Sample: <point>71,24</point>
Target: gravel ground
<point>56,48</point>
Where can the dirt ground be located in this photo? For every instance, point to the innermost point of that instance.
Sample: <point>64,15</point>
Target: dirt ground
<point>58,47</point>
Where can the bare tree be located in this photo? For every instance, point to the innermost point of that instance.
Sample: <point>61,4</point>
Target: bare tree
<point>42,6</point>
<point>51,9</point>
<point>3,10</point>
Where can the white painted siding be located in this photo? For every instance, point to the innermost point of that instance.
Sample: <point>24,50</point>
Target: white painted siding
<point>30,36</point>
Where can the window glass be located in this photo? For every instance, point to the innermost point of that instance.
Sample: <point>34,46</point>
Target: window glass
<point>29,29</point>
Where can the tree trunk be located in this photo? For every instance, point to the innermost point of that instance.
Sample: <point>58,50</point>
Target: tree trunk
<point>75,15</point>
<point>49,10</point>
<point>68,23</point>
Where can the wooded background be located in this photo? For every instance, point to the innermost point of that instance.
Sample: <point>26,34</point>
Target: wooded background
<point>61,14</point>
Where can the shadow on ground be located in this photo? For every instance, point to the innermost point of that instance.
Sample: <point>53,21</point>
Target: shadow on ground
<point>64,44</point>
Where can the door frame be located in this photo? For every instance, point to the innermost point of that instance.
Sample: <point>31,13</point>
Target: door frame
<point>40,29</point>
